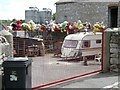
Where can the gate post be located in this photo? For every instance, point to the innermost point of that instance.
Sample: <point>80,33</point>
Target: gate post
<point>105,52</point>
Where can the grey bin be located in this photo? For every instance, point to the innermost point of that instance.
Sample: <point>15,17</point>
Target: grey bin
<point>17,73</point>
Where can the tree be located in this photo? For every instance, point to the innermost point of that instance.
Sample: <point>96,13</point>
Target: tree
<point>22,21</point>
<point>13,20</point>
<point>53,16</point>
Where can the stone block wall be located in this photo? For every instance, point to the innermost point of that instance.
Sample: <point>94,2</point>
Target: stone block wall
<point>111,50</point>
<point>85,11</point>
<point>114,48</point>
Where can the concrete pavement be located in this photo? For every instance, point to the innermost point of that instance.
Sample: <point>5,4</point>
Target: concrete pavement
<point>48,69</point>
<point>101,81</point>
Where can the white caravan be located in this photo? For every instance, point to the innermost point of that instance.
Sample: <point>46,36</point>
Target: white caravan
<point>81,44</point>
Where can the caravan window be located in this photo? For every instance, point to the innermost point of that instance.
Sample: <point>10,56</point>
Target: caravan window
<point>98,41</point>
<point>86,44</point>
<point>70,43</point>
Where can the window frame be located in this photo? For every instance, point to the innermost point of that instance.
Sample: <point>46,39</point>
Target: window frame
<point>74,46</point>
<point>86,43</point>
<point>98,41</point>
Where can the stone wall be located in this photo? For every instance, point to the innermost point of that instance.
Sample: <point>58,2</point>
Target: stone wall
<point>85,11</point>
<point>111,50</point>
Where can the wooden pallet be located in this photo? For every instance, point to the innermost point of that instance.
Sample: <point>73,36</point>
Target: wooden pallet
<point>21,46</point>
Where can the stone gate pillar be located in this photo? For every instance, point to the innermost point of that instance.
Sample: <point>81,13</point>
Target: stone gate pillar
<point>111,60</point>
<point>106,54</point>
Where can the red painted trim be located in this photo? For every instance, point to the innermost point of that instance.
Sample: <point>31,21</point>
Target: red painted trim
<point>62,80</point>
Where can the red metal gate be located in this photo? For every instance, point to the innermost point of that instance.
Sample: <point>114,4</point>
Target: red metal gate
<point>75,76</point>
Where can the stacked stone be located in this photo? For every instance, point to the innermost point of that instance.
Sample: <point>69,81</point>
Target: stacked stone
<point>115,49</point>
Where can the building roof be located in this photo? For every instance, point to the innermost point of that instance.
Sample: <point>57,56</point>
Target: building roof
<point>78,1</point>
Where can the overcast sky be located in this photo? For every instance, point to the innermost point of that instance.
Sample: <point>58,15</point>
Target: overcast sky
<point>10,9</point>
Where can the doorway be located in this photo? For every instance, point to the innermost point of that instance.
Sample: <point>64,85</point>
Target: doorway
<point>113,16</point>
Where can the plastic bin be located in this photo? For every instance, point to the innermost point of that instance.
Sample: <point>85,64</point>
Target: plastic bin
<point>17,73</point>
<point>0,79</point>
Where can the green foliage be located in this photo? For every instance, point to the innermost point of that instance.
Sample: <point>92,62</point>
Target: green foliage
<point>22,21</point>
<point>7,22</point>
<point>53,16</point>
<point>13,20</point>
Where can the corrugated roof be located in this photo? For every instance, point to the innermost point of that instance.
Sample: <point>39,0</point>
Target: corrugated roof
<point>68,1</point>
